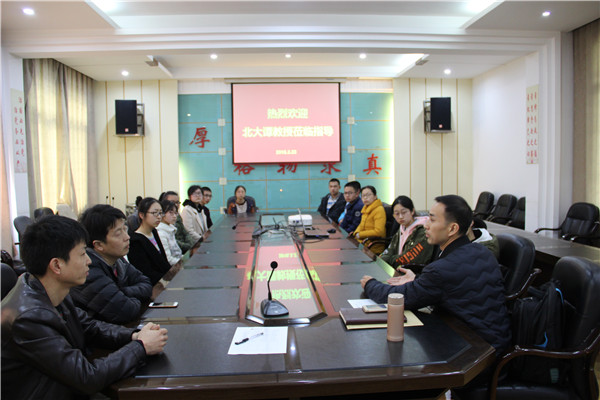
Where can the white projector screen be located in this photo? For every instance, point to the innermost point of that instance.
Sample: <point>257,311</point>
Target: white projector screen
<point>286,122</point>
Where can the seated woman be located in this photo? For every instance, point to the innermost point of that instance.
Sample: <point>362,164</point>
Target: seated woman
<point>409,245</point>
<point>146,251</point>
<point>240,203</point>
<point>194,219</point>
<point>166,231</point>
<point>372,222</point>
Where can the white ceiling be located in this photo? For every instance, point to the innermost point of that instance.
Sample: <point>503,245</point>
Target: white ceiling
<point>251,38</point>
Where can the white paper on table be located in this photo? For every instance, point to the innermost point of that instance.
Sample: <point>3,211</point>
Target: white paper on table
<point>272,341</point>
<point>358,303</point>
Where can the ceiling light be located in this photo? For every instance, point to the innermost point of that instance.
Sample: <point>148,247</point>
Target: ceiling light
<point>28,11</point>
<point>125,73</point>
<point>362,56</point>
<point>447,71</point>
<point>105,5</point>
<point>288,56</point>
<point>546,14</point>
<point>213,56</point>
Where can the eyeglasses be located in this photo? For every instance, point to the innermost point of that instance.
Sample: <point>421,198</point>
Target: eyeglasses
<point>349,193</point>
<point>172,212</point>
<point>197,194</point>
<point>208,195</point>
<point>367,194</point>
<point>157,214</point>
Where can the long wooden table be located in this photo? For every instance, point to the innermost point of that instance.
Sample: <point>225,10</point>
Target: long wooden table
<point>322,358</point>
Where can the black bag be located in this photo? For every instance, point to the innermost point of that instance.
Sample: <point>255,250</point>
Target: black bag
<point>539,322</point>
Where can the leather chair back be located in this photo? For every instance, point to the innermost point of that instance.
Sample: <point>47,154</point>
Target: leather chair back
<point>42,212</point>
<point>517,216</point>
<point>21,223</point>
<point>8,278</point>
<point>581,220</point>
<point>580,284</point>
<point>484,205</point>
<point>133,223</point>
<point>517,254</point>
<point>503,208</point>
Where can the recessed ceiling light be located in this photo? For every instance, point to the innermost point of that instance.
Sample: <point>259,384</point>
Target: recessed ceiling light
<point>125,73</point>
<point>447,71</point>
<point>213,56</point>
<point>546,14</point>
<point>28,11</point>
<point>288,56</point>
<point>362,56</point>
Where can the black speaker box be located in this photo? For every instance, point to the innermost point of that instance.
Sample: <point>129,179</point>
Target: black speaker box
<point>126,117</point>
<point>440,114</point>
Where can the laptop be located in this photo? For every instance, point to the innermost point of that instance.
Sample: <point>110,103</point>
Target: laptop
<point>311,232</point>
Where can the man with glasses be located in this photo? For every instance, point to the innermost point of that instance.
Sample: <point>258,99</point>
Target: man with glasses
<point>350,218</point>
<point>206,198</point>
<point>332,205</point>
<point>115,290</point>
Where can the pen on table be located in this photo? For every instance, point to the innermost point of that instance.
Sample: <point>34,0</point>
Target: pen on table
<point>244,340</point>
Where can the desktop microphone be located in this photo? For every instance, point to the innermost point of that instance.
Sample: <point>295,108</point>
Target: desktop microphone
<point>235,226</point>
<point>270,307</point>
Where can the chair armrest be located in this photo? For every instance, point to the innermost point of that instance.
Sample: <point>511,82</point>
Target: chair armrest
<point>592,235</point>
<point>589,345</point>
<point>545,229</point>
<point>528,282</point>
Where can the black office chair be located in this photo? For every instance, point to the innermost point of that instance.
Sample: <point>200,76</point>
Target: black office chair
<point>42,212</point>
<point>391,227</point>
<point>580,224</point>
<point>517,216</point>
<point>484,205</point>
<point>133,223</point>
<point>8,278</point>
<point>232,198</point>
<point>503,208</point>
<point>21,223</point>
<point>517,255</point>
<point>580,284</point>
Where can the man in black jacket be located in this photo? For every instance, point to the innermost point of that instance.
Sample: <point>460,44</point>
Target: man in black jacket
<point>350,218</point>
<point>332,205</point>
<point>465,278</point>
<point>45,338</point>
<point>115,291</point>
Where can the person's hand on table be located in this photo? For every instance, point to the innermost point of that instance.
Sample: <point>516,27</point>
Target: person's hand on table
<point>406,276</point>
<point>364,280</point>
<point>153,337</point>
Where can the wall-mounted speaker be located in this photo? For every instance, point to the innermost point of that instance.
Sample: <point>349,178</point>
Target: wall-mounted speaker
<point>437,114</point>
<point>129,120</point>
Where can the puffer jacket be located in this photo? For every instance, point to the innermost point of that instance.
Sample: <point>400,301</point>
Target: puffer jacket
<point>416,249</point>
<point>44,348</point>
<point>466,281</point>
<point>116,299</point>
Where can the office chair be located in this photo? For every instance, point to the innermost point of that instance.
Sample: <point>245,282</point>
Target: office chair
<point>517,255</point>
<point>580,225</point>
<point>503,208</point>
<point>580,284</point>
<point>133,223</point>
<point>42,212</point>
<point>391,227</point>
<point>8,278</point>
<point>21,223</point>
<point>484,205</point>
<point>517,216</point>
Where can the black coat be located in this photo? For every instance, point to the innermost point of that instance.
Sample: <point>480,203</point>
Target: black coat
<point>144,256</point>
<point>466,281</point>
<point>117,299</point>
<point>44,348</point>
<point>336,209</point>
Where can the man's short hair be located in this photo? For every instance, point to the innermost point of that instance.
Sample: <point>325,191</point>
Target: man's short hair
<point>98,220</point>
<point>457,210</point>
<point>335,180</point>
<point>354,185</point>
<point>206,189</point>
<point>51,237</point>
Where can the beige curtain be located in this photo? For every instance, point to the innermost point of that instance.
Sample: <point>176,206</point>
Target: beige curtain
<point>586,128</point>
<point>59,110</point>
<point>6,233</point>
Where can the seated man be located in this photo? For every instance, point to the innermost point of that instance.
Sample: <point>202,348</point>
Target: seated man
<point>350,218</point>
<point>114,290</point>
<point>45,338</point>
<point>333,204</point>
<point>206,198</point>
<point>465,278</point>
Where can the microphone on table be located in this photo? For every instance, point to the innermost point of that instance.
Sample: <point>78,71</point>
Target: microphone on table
<point>270,307</point>
<point>236,224</point>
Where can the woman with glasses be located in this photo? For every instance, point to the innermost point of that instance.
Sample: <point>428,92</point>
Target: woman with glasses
<point>194,219</point>
<point>372,221</point>
<point>146,251</point>
<point>409,245</point>
<point>166,231</point>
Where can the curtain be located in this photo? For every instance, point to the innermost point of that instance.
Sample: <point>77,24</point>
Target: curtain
<point>59,124</point>
<point>586,126</point>
<point>5,234</point>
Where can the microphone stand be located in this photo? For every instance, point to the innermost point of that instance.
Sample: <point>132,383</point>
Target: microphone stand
<point>270,307</point>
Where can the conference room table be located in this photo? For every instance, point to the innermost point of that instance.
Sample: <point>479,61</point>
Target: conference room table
<point>308,352</point>
<point>548,248</point>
